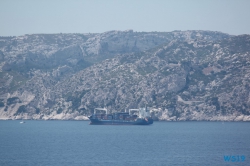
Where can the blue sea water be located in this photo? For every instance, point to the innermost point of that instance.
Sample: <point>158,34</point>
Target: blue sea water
<point>61,143</point>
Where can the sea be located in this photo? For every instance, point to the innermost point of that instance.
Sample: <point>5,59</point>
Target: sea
<point>60,143</point>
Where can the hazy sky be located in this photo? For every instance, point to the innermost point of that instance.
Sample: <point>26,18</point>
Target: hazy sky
<point>19,17</point>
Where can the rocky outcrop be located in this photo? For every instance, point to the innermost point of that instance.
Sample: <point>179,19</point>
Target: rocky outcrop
<point>180,75</point>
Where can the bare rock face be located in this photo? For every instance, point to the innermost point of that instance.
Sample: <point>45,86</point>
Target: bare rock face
<point>180,75</point>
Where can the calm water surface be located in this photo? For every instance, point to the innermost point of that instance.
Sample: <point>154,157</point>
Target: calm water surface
<point>163,143</point>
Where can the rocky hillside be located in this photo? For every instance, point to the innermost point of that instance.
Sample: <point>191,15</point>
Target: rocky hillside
<point>180,75</point>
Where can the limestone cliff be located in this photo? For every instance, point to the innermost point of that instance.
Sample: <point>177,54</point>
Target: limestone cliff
<point>180,75</point>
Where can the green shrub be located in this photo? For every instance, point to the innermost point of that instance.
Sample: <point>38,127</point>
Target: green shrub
<point>1,104</point>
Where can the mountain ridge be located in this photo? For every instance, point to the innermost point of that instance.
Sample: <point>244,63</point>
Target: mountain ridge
<point>180,75</point>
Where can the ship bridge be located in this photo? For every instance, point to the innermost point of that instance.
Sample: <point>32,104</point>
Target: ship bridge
<point>101,109</point>
<point>141,112</point>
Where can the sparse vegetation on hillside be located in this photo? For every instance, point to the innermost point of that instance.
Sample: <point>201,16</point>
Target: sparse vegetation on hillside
<point>187,75</point>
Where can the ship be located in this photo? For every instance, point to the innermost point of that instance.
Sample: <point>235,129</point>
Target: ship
<point>139,116</point>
